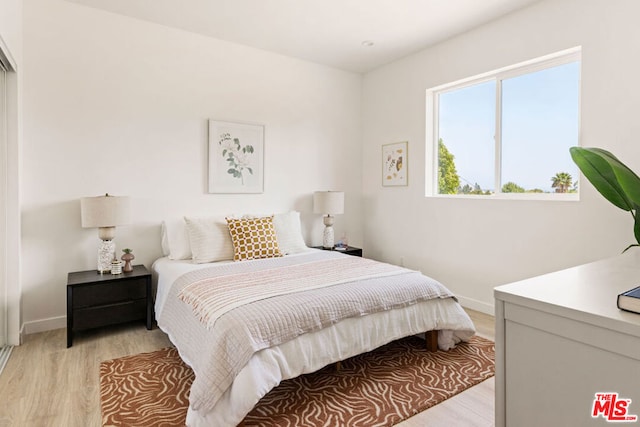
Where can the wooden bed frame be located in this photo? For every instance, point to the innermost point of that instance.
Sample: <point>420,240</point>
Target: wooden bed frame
<point>431,340</point>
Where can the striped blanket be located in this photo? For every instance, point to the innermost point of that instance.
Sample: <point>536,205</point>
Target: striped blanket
<point>245,307</point>
<point>212,297</point>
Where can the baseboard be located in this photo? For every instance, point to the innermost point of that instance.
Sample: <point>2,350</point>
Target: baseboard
<point>45,325</point>
<point>476,305</point>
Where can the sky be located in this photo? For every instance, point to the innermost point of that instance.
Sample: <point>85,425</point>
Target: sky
<point>540,120</point>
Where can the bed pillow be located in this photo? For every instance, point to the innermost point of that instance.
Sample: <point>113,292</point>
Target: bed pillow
<point>289,233</point>
<point>209,239</point>
<point>175,240</point>
<point>164,239</point>
<point>253,238</point>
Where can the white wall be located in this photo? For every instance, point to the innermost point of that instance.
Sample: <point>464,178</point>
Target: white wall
<point>11,27</point>
<point>475,245</point>
<point>116,105</point>
<point>119,105</point>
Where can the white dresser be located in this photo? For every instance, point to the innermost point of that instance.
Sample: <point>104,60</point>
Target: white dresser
<point>560,339</point>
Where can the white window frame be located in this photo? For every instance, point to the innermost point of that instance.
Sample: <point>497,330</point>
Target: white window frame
<point>432,121</point>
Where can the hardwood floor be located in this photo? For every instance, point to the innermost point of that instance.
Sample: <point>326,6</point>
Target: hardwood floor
<point>474,407</point>
<point>46,384</point>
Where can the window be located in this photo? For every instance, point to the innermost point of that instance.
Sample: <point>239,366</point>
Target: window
<point>507,133</point>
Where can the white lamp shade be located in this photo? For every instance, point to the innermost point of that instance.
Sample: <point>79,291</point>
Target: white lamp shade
<point>105,211</point>
<point>328,202</point>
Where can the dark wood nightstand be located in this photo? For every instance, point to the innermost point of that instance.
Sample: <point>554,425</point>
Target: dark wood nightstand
<point>349,251</point>
<point>95,300</point>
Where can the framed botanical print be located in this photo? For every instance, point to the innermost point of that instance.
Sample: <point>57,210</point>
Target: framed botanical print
<point>236,157</point>
<point>395,164</point>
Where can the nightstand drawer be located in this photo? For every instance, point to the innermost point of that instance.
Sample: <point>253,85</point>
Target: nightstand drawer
<point>93,317</point>
<point>108,293</point>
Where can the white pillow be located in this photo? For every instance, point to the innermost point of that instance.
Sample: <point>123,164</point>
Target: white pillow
<point>209,239</point>
<point>289,233</point>
<point>175,240</point>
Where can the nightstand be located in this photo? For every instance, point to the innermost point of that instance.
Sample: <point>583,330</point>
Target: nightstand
<point>95,300</point>
<point>349,251</point>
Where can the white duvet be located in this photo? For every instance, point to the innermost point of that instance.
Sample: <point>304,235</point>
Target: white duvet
<point>306,353</point>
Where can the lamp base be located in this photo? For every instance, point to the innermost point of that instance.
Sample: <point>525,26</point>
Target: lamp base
<point>328,237</point>
<point>106,253</point>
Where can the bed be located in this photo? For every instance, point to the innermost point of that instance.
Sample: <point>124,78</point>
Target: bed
<point>244,327</point>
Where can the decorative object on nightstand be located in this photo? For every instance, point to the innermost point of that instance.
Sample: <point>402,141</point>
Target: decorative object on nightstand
<point>105,212</point>
<point>95,300</point>
<point>116,267</point>
<point>329,203</point>
<point>127,258</point>
<point>343,243</point>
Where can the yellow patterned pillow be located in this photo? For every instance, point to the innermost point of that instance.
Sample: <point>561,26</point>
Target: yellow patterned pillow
<point>253,238</point>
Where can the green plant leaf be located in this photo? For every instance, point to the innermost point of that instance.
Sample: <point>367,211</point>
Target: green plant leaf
<point>636,224</point>
<point>628,180</point>
<point>598,169</point>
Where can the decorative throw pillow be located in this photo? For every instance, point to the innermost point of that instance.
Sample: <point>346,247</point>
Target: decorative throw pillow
<point>253,238</point>
<point>289,233</point>
<point>209,239</point>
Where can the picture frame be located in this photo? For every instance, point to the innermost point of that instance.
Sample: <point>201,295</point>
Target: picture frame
<point>236,157</point>
<point>395,164</point>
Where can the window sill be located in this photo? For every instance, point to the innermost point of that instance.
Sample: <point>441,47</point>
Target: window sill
<point>551,197</point>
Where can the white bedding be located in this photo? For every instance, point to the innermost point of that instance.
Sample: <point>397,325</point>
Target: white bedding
<point>268,367</point>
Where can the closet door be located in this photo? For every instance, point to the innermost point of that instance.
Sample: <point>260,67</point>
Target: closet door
<point>3,205</point>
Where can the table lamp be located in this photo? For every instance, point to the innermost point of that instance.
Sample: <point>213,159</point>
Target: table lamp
<point>105,212</point>
<point>329,203</point>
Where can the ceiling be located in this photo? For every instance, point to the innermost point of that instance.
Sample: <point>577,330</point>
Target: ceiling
<point>329,32</point>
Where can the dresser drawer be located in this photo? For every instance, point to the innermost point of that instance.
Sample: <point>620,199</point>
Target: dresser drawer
<point>109,293</point>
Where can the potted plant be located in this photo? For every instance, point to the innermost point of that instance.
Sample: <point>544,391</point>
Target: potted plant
<point>613,179</point>
<point>127,258</point>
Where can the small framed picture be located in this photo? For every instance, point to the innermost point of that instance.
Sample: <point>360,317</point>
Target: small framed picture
<point>395,164</point>
<point>236,157</point>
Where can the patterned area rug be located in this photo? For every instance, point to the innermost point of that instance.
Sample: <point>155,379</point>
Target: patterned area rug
<point>379,388</point>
